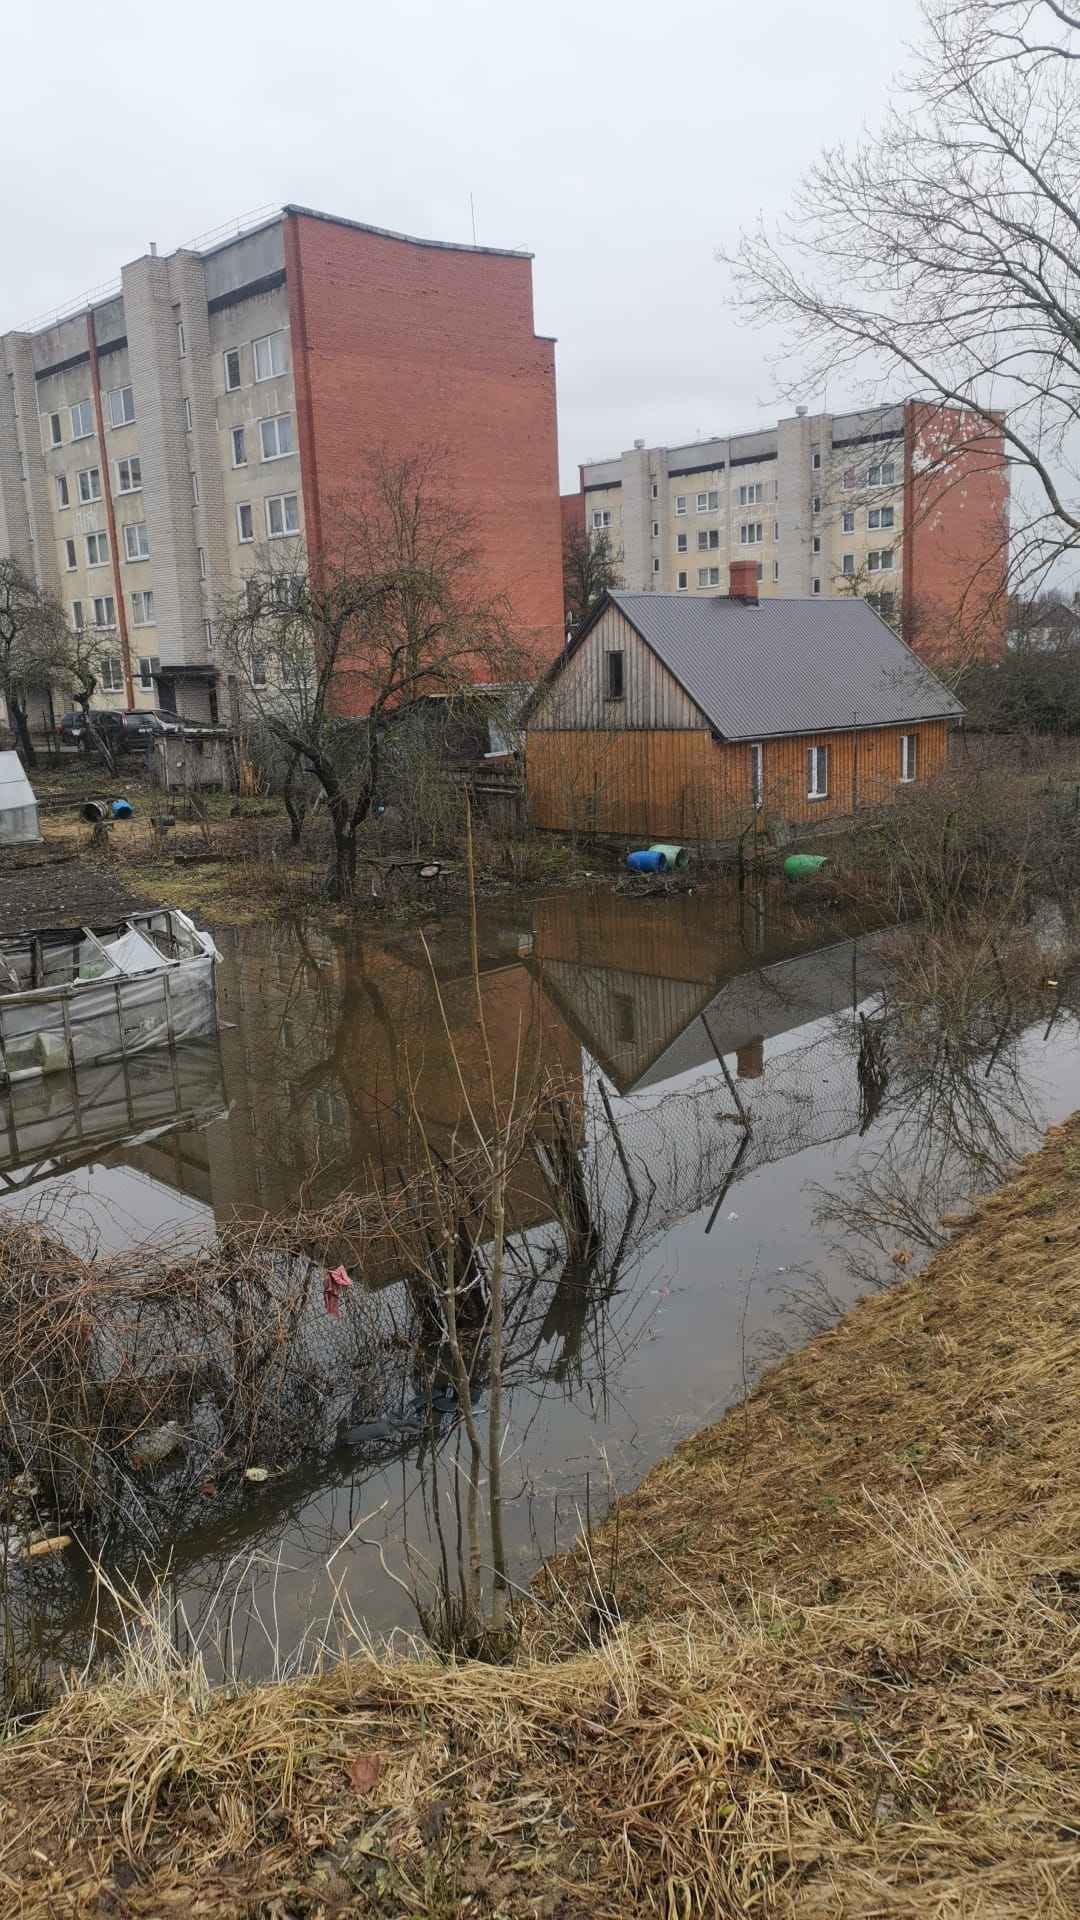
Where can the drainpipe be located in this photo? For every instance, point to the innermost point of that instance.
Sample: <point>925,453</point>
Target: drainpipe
<point>114,553</point>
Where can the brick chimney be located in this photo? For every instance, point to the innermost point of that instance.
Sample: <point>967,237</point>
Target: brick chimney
<point>742,580</point>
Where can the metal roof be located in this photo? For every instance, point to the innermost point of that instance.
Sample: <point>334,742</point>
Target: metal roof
<point>761,669</point>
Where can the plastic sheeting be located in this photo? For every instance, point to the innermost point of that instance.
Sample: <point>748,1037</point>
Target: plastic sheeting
<point>18,807</point>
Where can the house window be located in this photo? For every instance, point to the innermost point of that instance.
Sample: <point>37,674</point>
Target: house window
<point>282,515</point>
<point>82,420</point>
<point>258,668</point>
<point>70,556</point>
<point>181,340</point>
<point>751,534</point>
<point>148,666</point>
<point>681,581</point>
<point>847,565</point>
<point>63,498</point>
<point>195,494</point>
<point>878,517</point>
<point>136,541</point>
<point>817,773</point>
<point>757,775</point>
<point>908,754</point>
<point>708,576</point>
<point>680,503</point>
<point>601,518</point>
<point>656,529</point>
<point>129,476</point>
<point>656,564</point>
<point>142,615</point>
<point>112,672</point>
<point>879,560</point>
<point>847,521</point>
<point>815,544</point>
<point>232,369</point>
<point>815,462</point>
<point>244,525</point>
<point>815,586</point>
<point>89,484</point>
<point>615,675</point>
<point>77,616</point>
<point>121,407</point>
<point>680,543</point>
<point>104,610</point>
<point>187,416</point>
<point>883,476</point>
<point>776,571</point>
<point>200,561</point>
<point>882,603</point>
<point>752,496</point>
<point>239,447</point>
<point>56,435</point>
<point>97,549</point>
<point>269,356</point>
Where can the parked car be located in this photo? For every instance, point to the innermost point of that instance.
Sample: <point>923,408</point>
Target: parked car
<point>133,732</point>
<point>71,727</point>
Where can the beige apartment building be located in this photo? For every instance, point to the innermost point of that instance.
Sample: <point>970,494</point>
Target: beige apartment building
<point>905,505</point>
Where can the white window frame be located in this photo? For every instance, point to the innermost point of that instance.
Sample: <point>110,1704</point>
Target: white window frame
<point>136,541</point>
<point>883,475</point>
<point>817,773</point>
<point>753,494</point>
<point>708,576</point>
<point>655,491</point>
<point>187,415</point>
<point>142,608</point>
<point>276,420</point>
<point>77,412</point>
<point>56,429</point>
<point>279,500</point>
<point>757,775</point>
<point>105,601</point>
<point>751,534</point>
<point>77,616</point>
<point>63,492</point>
<point>238,438</point>
<point>87,495</point>
<point>233,386</point>
<point>680,543</point>
<point>847,566</point>
<point>656,529</point>
<point>909,758</point>
<point>271,342</point>
<point>776,572</point>
<point>880,519</point>
<point>257,674</point>
<point>149,664</point>
<point>815,462</point>
<point>847,520</point>
<point>181,341</point>
<point>680,503</point>
<point>133,467</point>
<point>815,587</point>
<point>101,549</point>
<point>815,504</point>
<point>815,544</point>
<point>71,557</point>
<point>208,635</point>
<point>880,560</point>
<point>656,563</point>
<point>112,672</point>
<point>601,518</point>
<point>681,581</point>
<point>117,394</point>
<point>242,507</point>
<point>200,562</point>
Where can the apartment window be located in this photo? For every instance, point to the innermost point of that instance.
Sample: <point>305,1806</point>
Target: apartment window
<point>681,580</point>
<point>815,586</point>
<point>200,561</point>
<point>601,519</point>
<point>708,537</point>
<point>70,556</point>
<point>97,549</point>
<point>82,420</point>
<point>149,665</point>
<point>282,515</point>
<point>258,668</point>
<point>815,462</point>
<point>815,504</point>
<point>776,529</point>
<point>776,572</point>
<point>879,560</point>
<point>751,534</point>
<point>655,491</point>
<point>757,775</point>
<point>181,339</point>
<point>239,447</point>
<point>196,496</point>
<point>56,434</point>
<point>269,356</point>
<point>882,603</point>
<point>656,529</point>
<point>708,502</point>
<point>136,541</point>
<point>817,773</point>
<point>680,503</point>
<point>208,635</point>
<point>760,572</point>
<point>656,564</point>
<point>121,407</point>
<point>882,476</point>
<point>708,576</point>
<point>849,479</point>
<point>908,751</point>
<point>615,676</point>
<point>847,565</point>
<point>244,525</point>
<point>752,496</point>
<point>104,610</point>
<point>88,483</point>
<point>142,614</point>
<point>879,517</point>
<point>187,416</point>
<point>232,370</point>
<point>847,521</point>
<point>129,475</point>
<point>77,616</point>
<point>63,498</point>
<point>112,671</point>
<point>680,543</point>
<point>815,544</point>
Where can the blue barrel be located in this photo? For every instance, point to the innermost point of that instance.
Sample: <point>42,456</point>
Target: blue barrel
<point>121,809</point>
<point>651,860</point>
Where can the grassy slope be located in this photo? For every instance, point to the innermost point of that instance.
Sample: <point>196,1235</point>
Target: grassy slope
<point>848,1685</point>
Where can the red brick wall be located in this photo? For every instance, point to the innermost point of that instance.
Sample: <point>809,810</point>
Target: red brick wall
<point>406,346</point>
<point>955,552</point>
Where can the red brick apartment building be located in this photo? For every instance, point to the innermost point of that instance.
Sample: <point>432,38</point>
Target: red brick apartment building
<point>213,400</point>
<point>907,506</point>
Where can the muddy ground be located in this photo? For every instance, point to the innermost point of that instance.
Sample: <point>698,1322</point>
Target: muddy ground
<point>60,893</point>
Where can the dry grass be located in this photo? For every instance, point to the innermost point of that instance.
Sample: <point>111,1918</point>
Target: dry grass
<point>845,1682</point>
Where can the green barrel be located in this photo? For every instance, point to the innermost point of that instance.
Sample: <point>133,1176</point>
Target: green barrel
<point>803,866</point>
<point>678,858</point>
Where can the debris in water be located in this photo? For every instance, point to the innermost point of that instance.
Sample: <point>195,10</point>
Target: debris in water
<point>53,1545</point>
<point>257,1474</point>
<point>733,1216</point>
<point>158,1444</point>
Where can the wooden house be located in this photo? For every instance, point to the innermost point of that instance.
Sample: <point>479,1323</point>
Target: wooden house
<point>676,718</point>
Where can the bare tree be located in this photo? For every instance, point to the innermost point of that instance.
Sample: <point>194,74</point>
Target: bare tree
<point>590,569</point>
<point>392,615</point>
<point>946,249</point>
<point>35,648</point>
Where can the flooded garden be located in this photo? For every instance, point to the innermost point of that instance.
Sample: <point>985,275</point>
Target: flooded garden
<point>342,1321</point>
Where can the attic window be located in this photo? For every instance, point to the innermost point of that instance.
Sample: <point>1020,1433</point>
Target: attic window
<point>615,676</point>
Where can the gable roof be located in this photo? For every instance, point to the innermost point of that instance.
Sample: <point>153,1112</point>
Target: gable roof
<point>773,667</point>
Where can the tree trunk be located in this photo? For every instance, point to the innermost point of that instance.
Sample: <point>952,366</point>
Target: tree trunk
<point>27,753</point>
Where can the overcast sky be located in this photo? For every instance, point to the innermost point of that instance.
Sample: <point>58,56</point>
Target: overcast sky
<point>620,144</point>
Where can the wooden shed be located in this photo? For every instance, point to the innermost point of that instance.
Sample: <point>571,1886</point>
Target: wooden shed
<point>671,718</point>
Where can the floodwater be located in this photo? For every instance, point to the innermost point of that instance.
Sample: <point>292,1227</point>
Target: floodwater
<point>748,1160</point>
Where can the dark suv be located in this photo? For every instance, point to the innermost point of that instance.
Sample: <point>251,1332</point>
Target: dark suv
<point>71,727</point>
<point>132,732</point>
